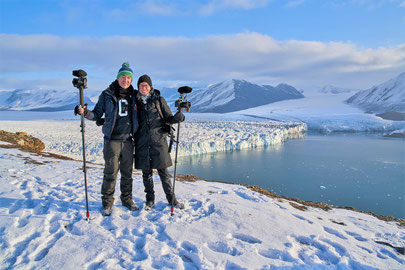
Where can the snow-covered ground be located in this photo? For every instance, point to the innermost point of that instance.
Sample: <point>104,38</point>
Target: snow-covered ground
<point>43,226</point>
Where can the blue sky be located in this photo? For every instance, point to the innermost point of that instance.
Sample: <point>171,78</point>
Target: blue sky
<point>306,43</point>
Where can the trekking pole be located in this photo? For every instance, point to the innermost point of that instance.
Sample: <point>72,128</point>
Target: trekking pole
<point>181,103</point>
<point>81,83</point>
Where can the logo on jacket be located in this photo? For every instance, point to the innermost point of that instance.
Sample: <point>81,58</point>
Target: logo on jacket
<point>123,107</point>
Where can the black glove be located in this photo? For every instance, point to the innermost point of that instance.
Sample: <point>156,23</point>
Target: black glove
<point>100,122</point>
<point>179,117</point>
<point>77,109</point>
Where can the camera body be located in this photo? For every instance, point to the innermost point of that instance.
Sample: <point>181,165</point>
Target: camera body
<point>182,102</point>
<point>81,81</point>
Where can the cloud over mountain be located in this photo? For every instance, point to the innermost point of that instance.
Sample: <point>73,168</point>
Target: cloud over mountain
<point>48,60</point>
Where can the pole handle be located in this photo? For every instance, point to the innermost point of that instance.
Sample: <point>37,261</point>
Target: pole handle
<point>81,96</point>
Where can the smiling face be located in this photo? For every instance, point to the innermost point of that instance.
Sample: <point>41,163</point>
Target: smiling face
<point>124,81</point>
<point>144,88</point>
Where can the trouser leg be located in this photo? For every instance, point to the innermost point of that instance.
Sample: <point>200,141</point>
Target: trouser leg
<point>111,154</point>
<point>166,184</point>
<point>126,162</point>
<point>147,176</point>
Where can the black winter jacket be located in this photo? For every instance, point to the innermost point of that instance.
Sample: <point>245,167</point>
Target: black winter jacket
<point>151,149</point>
<point>107,104</point>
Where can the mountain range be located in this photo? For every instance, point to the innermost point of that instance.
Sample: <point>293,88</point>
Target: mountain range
<point>235,95</point>
<point>40,100</point>
<point>227,96</point>
<point>330,89</point>
<point>386,97</point>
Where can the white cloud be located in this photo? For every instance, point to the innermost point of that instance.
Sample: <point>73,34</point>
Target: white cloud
<point>47,59</point>
<point>214,6</point>
<point>183,7</point>
<point>155,7</point>
<point>294,3</point>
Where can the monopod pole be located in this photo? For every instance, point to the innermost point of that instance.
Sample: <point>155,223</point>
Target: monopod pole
<point>82,125</point>
<point>175,167</point>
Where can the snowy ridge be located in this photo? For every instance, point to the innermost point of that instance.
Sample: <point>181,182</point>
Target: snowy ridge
<point>214,96</point>
<point>41,100</point>
<point>64,137</point>
<point>234,95</point>
<point>386,97</point>
<point>223,226</point>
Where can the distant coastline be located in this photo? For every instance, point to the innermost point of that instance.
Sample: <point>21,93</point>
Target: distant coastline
<point>393,116</point>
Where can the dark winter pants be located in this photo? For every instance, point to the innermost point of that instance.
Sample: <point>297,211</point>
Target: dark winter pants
<point>118,155</point>
<point>166,183</point>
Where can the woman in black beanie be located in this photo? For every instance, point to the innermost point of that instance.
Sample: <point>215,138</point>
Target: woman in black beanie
<point>151,149</point>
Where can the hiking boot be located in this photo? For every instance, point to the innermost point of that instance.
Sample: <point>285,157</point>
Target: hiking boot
<point>130,205</point>
<point>178,205</point>
<point>149,205</point>
<point>106,210</point>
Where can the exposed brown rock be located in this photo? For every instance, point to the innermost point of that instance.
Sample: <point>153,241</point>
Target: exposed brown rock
<point>23,141</point>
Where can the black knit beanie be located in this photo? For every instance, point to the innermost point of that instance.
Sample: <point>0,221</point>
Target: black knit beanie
<point>144,78</point>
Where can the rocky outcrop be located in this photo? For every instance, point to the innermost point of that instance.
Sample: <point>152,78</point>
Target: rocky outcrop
<point>23,141</point>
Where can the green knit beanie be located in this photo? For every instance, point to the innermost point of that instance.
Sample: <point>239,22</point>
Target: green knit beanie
<point>125,70</point>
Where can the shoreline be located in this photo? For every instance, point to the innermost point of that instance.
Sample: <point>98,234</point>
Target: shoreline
<point>295,202</point>
<point>27,143</point>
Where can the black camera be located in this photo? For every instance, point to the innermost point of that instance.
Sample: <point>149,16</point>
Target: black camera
<point>182,102</point>
<point>81,81</point>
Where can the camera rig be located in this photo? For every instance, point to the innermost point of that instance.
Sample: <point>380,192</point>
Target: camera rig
<point>81,81</point>
<point>182,102</point>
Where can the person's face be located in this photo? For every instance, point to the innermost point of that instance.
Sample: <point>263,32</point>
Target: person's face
<point>144,88</point>
<point>124,81</point>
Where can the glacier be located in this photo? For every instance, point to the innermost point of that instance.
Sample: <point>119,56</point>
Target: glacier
<point>196,137</point>
<point>208,137</point>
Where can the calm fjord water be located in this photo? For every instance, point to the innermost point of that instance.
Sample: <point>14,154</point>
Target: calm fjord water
<point>366,172</point>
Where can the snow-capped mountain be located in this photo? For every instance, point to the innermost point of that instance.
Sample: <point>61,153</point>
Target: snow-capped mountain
<point>40,100</point>
<point>234,95</point>
<point>330,89</point>
<point>386,97</point>
<point>170,95</point>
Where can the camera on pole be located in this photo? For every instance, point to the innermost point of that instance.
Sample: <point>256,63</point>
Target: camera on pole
<point>182,102</point>
<point>81,83</point>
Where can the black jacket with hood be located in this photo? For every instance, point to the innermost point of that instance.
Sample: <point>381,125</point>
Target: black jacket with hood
<point>151,148</point>
<point>107,104</point>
